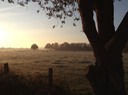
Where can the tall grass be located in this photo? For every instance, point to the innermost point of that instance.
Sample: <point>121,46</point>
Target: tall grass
<point>12,84</point>
<point>30,70</point>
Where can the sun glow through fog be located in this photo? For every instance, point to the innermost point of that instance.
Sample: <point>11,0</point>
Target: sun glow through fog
<point>3,35</point>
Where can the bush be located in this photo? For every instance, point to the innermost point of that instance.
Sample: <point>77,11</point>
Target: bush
<point>34,47</point>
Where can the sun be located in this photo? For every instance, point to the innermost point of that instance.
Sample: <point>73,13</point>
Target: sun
<point>3,35</point>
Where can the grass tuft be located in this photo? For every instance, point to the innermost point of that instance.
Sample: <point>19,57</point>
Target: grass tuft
<point>13,84</point>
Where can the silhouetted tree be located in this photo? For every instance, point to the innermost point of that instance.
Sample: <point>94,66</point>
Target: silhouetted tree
<point>107,76</point>
<point>69,46</point>
<point>55,46</point>
<point>48,46</point>
<point>34,47</point>
<point>64,46</point>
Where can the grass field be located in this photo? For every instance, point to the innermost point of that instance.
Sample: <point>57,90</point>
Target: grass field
<point>68,67</point>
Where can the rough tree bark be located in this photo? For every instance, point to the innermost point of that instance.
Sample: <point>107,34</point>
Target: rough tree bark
<point>107,76</point>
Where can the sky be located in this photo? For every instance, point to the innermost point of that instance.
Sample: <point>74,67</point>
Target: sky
<point>20,27</point>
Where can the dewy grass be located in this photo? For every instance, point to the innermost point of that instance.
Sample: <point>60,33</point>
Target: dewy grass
<point>12,84</point>
<point>30,71</point>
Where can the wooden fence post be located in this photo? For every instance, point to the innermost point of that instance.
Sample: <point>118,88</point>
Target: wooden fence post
<point>6,68</point>
<point>50,78</point>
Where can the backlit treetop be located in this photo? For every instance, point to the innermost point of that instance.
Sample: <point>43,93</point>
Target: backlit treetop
<point>59,9</point>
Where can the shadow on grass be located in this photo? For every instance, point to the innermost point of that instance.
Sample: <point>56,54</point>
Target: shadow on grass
<point>12,84</point>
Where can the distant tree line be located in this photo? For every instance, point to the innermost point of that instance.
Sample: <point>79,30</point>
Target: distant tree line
<point>73,47</point>
<point>68,46</point>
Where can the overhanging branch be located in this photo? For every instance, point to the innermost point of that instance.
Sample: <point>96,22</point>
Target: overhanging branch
<point>120,38</point>
<point>105,19</point>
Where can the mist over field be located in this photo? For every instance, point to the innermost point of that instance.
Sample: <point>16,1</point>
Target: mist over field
<point>69,67</point>
<point>29,61</point>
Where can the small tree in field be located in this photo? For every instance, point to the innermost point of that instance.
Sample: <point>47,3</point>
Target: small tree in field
<point>34,47</point>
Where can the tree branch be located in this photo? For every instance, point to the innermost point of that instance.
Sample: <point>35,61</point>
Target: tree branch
<point>105,19</point>
<point>86,12</point>
<point>120,38</point>
<point>89,28</point>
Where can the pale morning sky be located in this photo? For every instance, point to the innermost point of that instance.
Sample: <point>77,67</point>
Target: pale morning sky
<point>20,27</point>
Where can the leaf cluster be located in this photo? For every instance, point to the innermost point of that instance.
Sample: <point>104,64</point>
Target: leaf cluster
<point>58,9</point>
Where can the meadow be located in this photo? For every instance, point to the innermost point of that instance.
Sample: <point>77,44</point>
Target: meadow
<point>68,67</point>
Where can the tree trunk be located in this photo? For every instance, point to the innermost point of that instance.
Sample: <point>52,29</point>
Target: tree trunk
<point>107,76</point>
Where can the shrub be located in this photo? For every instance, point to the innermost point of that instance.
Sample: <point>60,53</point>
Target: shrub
<point>34,47</point>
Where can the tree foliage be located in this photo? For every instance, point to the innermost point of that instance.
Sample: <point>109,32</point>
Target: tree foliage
<point>58,9</point>
<point>34,47</point>
<point>69,46</point>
